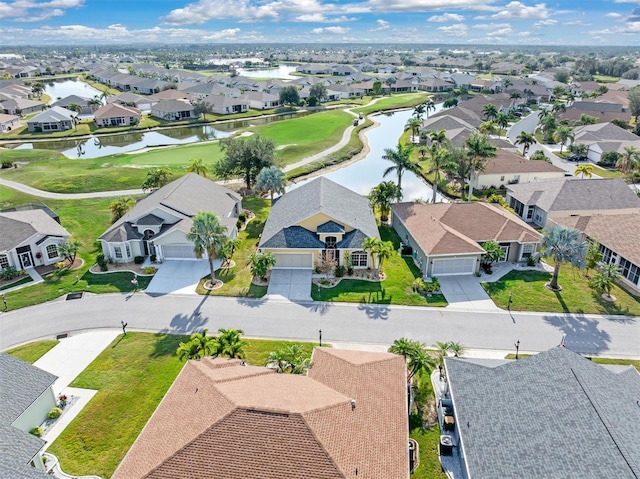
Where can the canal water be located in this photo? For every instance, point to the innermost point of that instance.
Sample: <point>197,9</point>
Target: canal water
<point>58,90</point>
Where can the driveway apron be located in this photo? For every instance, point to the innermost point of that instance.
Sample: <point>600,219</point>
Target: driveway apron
<point>179,276</point>
<point>293,284</point>
<point>465,292</point>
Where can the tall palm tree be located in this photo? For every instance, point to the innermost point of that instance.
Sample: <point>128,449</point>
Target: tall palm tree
<point>197,166</point>
<point>479,149</point>
<point>584,169</point>
<point>188,350</point>
<point>415,356</point>
<point>488,127</point>
<point>414,125</point>
<point>438,137</point>
<point>418,111</point>
<point>230,343</point>
<point>528,93</point>
<point>490,111</point>
<point>629,160</point>
<point>563,245</point>
<point>271,179</point>
<point>526,140</point>
<point>439,161</point>
<point>372,246</point>
<point>208,236</point>
<point>401,159</point>
<point>562,134</point>
<point>381,197</point>
<point>502,120</point>
<point>429,106</point>
<point>385,250</point>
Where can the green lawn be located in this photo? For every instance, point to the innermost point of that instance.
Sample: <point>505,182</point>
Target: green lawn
<point>31,352</point>
<point>19,282</point>
<point>604,173</point>
<point>530,294</point>
<point>605,79</point>
<point>402,100</point>
<point>237,280</point>
<point>395,289</point>
<point>131,376</point>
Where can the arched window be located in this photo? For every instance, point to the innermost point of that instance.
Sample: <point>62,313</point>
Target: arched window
<point>330,242</point>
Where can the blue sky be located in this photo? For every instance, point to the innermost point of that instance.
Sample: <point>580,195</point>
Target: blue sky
<point>495,22</point>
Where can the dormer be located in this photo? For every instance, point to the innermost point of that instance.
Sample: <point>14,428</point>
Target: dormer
<point>330,233</point>
<point>149,225</point>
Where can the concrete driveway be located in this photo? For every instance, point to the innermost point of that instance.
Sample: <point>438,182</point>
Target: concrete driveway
<point>293,284</point>
<point>179,276</point>
<point>465,292</point>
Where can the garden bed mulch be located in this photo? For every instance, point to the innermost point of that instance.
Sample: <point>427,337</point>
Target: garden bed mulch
<point>130,267</point>
<point>364,275</point>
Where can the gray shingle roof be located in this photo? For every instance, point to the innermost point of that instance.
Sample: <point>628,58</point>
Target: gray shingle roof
<point>17,449</point>
<point>552,415</point>
<point>353,239</point>
<point>330,227</point>
<point>575,194</point>
<point>53,114</point>
<point>293,237</point>
<point>321,195</point>
<point>150,220</point>
<point>18,226</point>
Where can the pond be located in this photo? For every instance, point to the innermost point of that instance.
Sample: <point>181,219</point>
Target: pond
<point>282,72</point>
<point>105,145</point>
<point>57,90</point>
<point>367,173</point>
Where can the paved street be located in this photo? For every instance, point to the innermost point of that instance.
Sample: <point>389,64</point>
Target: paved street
<point>358,323</point>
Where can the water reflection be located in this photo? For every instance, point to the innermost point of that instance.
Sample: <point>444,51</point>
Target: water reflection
<point>66,88</point>
<point>367,173</point>
<point>282,72</point>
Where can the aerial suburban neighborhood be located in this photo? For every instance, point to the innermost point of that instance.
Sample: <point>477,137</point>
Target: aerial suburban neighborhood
<point>232,246</point>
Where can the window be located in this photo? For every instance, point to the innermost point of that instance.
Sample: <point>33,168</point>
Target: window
<point>128,250</point>
<point>530,212</point>
<point>359,259</point>
<point>118,251</point>
<point>527,250</point>
<point>629,270</point>
<point>52,251</point>
<point>330,242</point>
<point>4,261</point>
<point>501,178</point>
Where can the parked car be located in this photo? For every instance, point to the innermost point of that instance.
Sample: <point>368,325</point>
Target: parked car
<point>576,157</point>
<point>517,113</point>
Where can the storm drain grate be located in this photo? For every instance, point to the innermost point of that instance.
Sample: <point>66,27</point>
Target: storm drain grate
<point>74,295</point>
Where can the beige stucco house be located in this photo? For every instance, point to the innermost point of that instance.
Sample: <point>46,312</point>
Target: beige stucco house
<point>509,168</point>
<point>115,114</point>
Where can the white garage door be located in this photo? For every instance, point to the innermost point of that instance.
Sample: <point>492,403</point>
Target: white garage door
<point>178,251</point>
<point>453,266</point>
<point>294,260</point>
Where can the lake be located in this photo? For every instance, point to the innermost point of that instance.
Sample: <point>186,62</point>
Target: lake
<point>57,90</point>
<point>282,72</point>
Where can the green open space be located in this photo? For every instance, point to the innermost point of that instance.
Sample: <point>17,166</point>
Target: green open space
<point>530,294</point>
<point>237,280</point>
<point>395,289</point>
<point>605,173</point>
<point>31,352</point>
<point>605,79</point>
<point>401,100</point>
<point>131,375</point>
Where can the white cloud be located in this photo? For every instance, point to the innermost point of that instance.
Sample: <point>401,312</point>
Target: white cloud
<point>545,23</point>
<point>518,10</point>
<point>457,30</point>
<point>331,30</point>
<point>627,29</point>
<point>613,15</point>
<point>426,5</point>
<point>578,23</point>
<point>490,26</point>
<point>446,18</point>
<point>501,33</point>
<point>321,18</point>
<point>36,10</point>
<point>381,25</point>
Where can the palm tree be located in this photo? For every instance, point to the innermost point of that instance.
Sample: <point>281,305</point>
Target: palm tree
<point>401,159</point>
<point>542,114</point>
<point>528,93</point>
<point>562,134</point>
<point>188,350</point>
<point>418,112</point>
<point>442,350</point>
<point>490,111</point>
<point>208,236</point>
<point>205,345</point>
<point>95,102</point>
<point>372,246</point>
<point>526,140</point>
<point>271,179</point>
<point>629,160</point>
<point>197,166</point>
<point>450,102</point>
<point>292,360</point>
<point>429,106</point>
<point>457,349</point>
<point>502,120</point>
<point>119,207</point>
<point>584,169</point>
<point>415,355</point>
<point>558,107</point>
<point>230,343</point>
<point>414,125</point>
<point>563,245</point>
<point>488,127</point>
<point>478,149</point>
<point>607,275</point>
<point>439,162</point>
<point>385,250</point>
<point>515,95</point>
<point>438,137</point>
<point>381,197</point>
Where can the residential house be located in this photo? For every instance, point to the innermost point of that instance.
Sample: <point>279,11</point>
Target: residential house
<point>31,236</point>
<point>555,415</point>
<point>603,137</point>
<point>224,105</point>
<point>584,88</point>
<point>115,114</point>
<point>447,238</point>
<point>173,110</point>
<point>603,110</point>
<point>27,396</point>
<point>456,129</point>
<point>541,202</point>
<point>315,69</point>
<point>127,98</point>
<point>435,85</point>
<point>81,101</point>
<point>20,106</point>
<point>148,86</point>
<point>347,418</point>
<point>261,100</point>
<point>172,94</point>
<point>493,86</point>
<point>509,168</point>
<point>55,118</point>
<point>320,220</point>
<point>8,122</point>
<point>618,236</point>
<point>158,224</point>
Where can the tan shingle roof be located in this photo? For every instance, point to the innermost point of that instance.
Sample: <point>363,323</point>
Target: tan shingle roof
<point>507,162</point>
<point>456,228</point>
<point>222,419</point>
<point>115,109</point>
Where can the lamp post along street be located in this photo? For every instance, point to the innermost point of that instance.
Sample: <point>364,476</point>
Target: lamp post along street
<point>320,336</point>
<point>517,345</point>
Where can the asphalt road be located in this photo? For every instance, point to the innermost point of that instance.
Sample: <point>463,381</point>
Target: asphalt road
<point>356,323</point>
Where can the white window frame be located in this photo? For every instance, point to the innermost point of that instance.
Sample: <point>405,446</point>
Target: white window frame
<point>127,249</point>
<point>4,261</point>
<point>359,255</point>
<point>57,253</point>
<point>117,252</point>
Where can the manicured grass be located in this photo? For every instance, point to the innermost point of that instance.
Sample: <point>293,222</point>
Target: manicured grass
<point>395,289</point>
<point>131,375</point>
<point>402,100</point>
<point>604,173</point>
<point>237,280</point>
<point>605,79</point>
<point>530,294</point>
<point>24,280</point>
<point>31,352</point>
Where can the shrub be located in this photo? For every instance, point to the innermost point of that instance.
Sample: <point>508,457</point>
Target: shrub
<point>36,431</point>
<point>54,413</point>
<point>149,270</point>
<point>9,272</point>
<point>317,270</point>
<point>60,265</point>
<point>138,259</point>
<point>102,262</point>
<point>242,217</point>
<point>153,258</point>
<point>239,224</point>
<point>6,164</point>
<point>531,261</point>
<point>340,271</point>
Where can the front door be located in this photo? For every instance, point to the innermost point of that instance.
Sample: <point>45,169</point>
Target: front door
<point>25,260</point>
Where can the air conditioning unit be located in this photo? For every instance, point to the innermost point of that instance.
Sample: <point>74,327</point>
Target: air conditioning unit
<point>446,445</point>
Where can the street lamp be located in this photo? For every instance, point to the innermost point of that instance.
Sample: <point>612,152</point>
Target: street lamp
<point>517,345</point>
<point>320,336</point>
<point>510,301</point>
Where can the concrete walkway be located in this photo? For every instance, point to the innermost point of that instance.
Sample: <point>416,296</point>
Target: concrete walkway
<point>35,277</point>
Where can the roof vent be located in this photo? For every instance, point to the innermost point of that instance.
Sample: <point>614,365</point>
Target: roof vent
<point>353,404</point>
